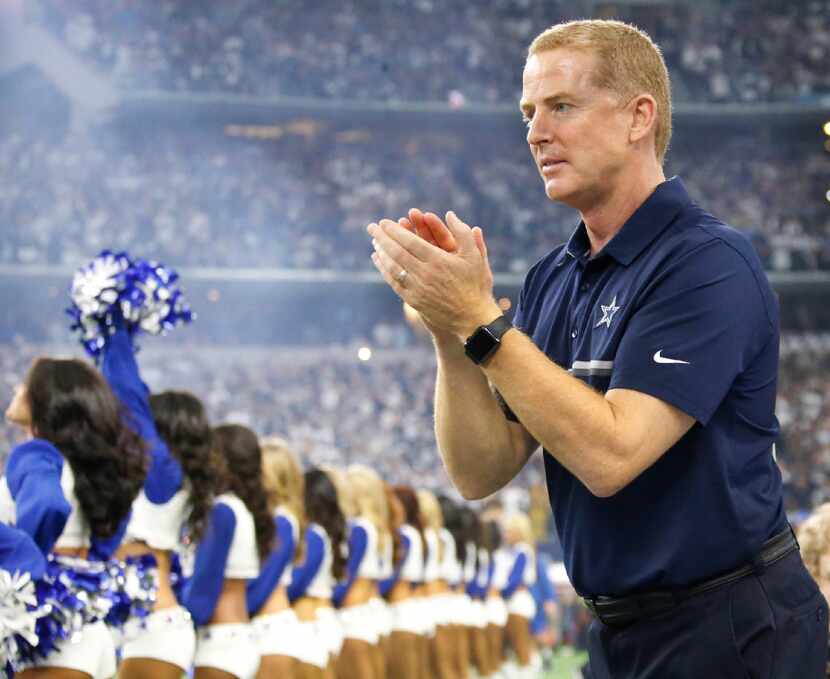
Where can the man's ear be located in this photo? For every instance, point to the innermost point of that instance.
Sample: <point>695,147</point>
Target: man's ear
<point>643,117</point>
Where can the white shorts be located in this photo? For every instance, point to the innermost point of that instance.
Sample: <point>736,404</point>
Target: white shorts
<point>381,616</point>
<point>167,635</point>
<point>278,633</point>
<point>496,611</point>
<point>92,652</point>
<point>231,648</point>
<point>308,648</point>
<point>406,616</point>
<point>522,603</point>
<point>478,614</point>
<point>330,630</point>
<point>358,623</point>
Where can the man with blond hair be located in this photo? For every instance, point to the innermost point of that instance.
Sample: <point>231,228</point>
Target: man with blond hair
<point>642,357</point>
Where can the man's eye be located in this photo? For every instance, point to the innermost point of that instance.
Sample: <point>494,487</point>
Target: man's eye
<point>527,121</point>
<point>561,107</point>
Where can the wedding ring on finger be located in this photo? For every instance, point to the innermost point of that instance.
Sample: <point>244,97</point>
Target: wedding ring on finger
<point>401,277</point>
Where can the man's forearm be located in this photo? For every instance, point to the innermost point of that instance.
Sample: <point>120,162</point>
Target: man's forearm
<point>473,434</point>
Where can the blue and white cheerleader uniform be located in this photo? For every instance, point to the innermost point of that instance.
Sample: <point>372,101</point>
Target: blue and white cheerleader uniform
<point>521,576</point>
<point>227,551</point>
<point>37,495</point>
<point>277,633</point>
<point>408,614</point>
<point>358,621</point>
<point>322,639</point>
<point>158,514</point>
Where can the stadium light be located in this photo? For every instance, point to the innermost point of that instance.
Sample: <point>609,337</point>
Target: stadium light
<point>826,128</point>
<point>364,353</point>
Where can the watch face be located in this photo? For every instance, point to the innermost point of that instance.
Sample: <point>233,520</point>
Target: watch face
<point>480,344</point>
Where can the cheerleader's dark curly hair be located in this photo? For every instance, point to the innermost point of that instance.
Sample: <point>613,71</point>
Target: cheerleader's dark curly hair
<point>183,425</point>
<point>239,448</point>
<point>322,507</point>
<point>73,407</point>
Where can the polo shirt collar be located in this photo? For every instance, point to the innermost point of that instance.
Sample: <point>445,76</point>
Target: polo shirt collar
<point>648,221</point>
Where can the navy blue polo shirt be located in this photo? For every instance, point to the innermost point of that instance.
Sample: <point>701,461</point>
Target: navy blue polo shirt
<point>677,306</point>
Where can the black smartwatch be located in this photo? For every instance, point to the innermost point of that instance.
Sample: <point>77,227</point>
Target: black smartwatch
<point>485,341</point>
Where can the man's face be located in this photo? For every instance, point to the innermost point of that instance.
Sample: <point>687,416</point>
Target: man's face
<point>577,132</point>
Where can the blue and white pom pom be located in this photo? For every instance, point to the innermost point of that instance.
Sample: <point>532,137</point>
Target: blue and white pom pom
<point>19,614</point>
<point>115,286</point>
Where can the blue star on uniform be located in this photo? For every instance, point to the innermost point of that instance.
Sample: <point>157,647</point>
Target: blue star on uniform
<point>608,313</point>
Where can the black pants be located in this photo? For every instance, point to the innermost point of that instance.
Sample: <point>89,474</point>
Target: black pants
<point>771,625</point>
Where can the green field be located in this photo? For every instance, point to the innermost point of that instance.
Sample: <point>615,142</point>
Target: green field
<point>566,664</point>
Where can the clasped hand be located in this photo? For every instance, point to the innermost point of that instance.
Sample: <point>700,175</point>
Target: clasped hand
<point>448,279</point>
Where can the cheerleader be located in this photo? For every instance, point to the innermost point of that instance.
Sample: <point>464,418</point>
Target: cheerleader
<point>495,579</point>
<point>452,543</point>
<point>239,533</point>
<point>70,488</point>
<point>177,495</point>
<point>475,570</point>
<point>521,568</point>
<point>435,588</point>
<point>360,656</point>
<point>405,642</point>
<point>274,620</point>
<point>391,560</point>
<point>312,582</point>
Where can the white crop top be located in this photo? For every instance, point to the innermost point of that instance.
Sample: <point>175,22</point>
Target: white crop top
<point>470,562</point>
<point>449,569</point>
<point>387,559</point>
<point>286,513</point>
<point>243,558</point>
<point>432,561</point>
<point>483,567</point>
<point>412,568</point>
<point>322,584</point>
<point>159,525</point>
<point>501,571</point>
<point>370,565</point>
<point>530,565</point>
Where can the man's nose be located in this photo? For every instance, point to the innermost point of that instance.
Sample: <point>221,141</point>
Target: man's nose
<point>539,130</point>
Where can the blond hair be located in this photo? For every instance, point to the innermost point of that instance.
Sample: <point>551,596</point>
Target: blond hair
<point>345,496</point>
<point>628,64</point>
<point>520,524</point>
<point>283,480</point>
<point>431,516</point>
<point>369,493</point>
<point>814,539</point>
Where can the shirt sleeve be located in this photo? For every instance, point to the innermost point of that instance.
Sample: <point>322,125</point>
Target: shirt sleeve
<point>33,474</point>
<point>304,574</point>
<point>119,367</point>
<point>203,589</point>
<point>19,553</point>
<point>696,329</point>
<point>358,541</point>
<point>386,585</point>
<point>259,589</point>
<point>516,576</point>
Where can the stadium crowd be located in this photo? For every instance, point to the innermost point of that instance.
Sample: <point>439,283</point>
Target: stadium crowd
<point>730,51</point>
<point>201,198</point>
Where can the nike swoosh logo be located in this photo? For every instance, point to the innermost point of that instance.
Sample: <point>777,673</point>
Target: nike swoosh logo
<point>659,358</point>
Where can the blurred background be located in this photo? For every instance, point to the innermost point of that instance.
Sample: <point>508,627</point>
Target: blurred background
<point>247,143</point>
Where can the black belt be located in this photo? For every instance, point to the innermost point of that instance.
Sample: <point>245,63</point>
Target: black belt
<point>622,611</point>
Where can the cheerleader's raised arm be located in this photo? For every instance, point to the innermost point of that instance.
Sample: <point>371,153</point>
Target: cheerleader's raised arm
<point>119,366</point>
